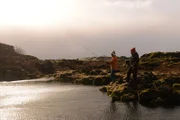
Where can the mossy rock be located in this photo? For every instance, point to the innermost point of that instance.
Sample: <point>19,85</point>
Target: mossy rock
<point>106,80</point>
<point>103,89</point>
<point>87,81</point>
<point>158,102</point>
<point>173,99</point>
<point>171,80</point>
<point>116,95</point>
<point>124,88</point>
<point>92,73</point>
<point>98,81</point>
<point>176,86</point>
<point>147,79</point>
<point>148,95</point>
<point>109,92</point>
<point>158,83</point>
<point>64,80</point>
<point>65,75</point>
<point>128,97</point>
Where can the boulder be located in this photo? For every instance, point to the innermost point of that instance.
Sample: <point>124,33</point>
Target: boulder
<point>121,92</point>
<point>148,95</point>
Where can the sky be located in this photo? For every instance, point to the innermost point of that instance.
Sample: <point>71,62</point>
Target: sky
<point>56,29</point>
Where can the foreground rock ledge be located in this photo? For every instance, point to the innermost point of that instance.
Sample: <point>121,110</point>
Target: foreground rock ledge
<point>158,92</point>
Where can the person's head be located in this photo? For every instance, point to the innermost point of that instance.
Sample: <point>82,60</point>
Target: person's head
<point>113,53</point>
<point>133,50</point>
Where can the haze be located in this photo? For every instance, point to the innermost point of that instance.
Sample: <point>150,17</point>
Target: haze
<point>56,29</point>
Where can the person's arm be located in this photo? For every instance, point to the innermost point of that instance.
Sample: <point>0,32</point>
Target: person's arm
<point>111,61</point>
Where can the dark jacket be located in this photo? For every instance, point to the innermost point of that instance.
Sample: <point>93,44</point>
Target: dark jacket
<point>134,60</point>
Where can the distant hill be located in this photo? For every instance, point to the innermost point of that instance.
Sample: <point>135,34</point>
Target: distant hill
<point>15,66</point>
<point>7,50</point>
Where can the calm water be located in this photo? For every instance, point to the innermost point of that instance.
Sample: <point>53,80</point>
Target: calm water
<point>31,100</point>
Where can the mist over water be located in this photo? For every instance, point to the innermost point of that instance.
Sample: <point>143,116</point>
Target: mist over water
<point>79,45</point>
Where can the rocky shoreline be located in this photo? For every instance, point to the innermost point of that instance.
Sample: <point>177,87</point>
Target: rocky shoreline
<point>153,90</point>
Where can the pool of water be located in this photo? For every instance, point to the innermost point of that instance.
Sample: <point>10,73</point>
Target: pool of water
<point>40,100</point>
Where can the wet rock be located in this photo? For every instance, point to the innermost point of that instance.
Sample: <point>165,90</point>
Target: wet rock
<point>120,92</point>
<point>103,89</point>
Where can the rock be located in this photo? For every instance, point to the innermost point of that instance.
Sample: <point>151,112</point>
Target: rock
<point>128,97</point>
<point>147,78</point>
<point>120,92</point>
<point>165,89</point>
<point>172,79</point>
<point>106,80</point>
<point>87,81</point>
<point>64,77</point>
<point>103,89</point>
<point>158,83</point>
<point>98,71</point>
<point>176,86</point>
<point>148,95</point>
<point>46,67</point>
<point>116,95</point>
<point>173,98</point>
<point>158,101</point>
<point>98,81</point>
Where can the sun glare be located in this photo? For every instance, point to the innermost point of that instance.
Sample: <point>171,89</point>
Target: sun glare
<point>35,12</point>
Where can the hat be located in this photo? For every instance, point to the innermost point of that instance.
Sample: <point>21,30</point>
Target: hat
<point>113,53</point>
<point>133,50</point>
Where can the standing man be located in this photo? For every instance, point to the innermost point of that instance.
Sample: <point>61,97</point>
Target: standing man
<point>114,65</point>
<point>133,68</point>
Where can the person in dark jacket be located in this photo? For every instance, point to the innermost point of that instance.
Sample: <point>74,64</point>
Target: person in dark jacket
<point>133,68</point>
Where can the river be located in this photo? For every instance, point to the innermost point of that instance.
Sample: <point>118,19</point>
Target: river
<point>41,100</point>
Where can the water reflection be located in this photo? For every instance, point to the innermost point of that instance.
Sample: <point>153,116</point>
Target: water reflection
<point>128,111</point>
<point>110,112</point>
<point>132,111</point>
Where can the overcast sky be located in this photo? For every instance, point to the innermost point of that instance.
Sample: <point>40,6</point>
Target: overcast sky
<point>84,28</point>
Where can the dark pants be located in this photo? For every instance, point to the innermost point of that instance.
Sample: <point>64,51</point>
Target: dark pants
<point>113,78</point>
<point>133,82</point>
